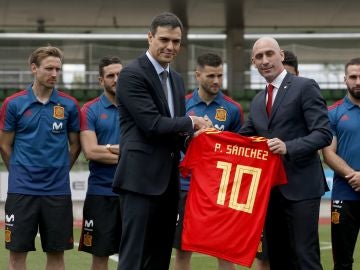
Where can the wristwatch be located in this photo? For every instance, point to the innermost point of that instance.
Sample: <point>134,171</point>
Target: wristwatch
<point>108,146</point>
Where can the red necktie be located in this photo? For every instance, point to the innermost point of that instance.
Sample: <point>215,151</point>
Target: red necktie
<point>270,89</point>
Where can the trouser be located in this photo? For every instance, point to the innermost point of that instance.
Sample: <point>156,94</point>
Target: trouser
<point>345,224</point>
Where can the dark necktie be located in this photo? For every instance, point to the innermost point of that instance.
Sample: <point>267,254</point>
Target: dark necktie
<point>164,76</point>
<point>270,89</point>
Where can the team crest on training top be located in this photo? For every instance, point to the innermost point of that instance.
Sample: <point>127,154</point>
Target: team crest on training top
<point>59,112</point>
<point>221,114</point>
<point>335,217</point>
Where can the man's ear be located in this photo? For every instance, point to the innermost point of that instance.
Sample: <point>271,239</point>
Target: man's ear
<point>101,80</point>
<point>33,68</point>
<point>197,75</point>
<point>149,37</point>
<point>282,55</point>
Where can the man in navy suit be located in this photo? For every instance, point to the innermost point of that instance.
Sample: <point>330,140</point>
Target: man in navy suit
<point>295,120</point>
<point>153,130</point>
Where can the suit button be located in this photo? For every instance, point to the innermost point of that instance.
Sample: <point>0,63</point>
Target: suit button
<point>172,155</point>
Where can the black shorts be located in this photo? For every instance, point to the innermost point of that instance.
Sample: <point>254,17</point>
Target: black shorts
<point>180,219</point>
<point>345,222</point>
<point>101,228</point>
<point>262,251</point>
<point>51,215</point>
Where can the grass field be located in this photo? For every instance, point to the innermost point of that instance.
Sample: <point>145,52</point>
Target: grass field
<point>81,261</point>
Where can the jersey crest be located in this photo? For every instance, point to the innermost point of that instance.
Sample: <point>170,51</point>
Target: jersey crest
<point>221,114</point>
<point>59,112</point>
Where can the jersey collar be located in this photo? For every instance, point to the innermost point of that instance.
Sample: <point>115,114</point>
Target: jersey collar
<point>105,101</point>
<point>54,98</point>
<point>349,104</point>
<point>198,100</point>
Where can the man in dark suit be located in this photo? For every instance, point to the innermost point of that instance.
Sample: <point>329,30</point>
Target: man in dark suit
<point>153,129</point>
<point>295,120</point>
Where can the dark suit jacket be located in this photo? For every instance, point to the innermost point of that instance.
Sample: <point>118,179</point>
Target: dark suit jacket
<point>150,138</point>
<point>299,118</point>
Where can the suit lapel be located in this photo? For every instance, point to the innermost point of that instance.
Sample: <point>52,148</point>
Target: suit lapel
<point>155,80</point>
<point>284,87</point>
<point>262,97</point>
<point>176,94</point>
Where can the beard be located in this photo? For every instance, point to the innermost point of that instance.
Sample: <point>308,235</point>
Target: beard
<point>109,90</point>
<point>354,93</point>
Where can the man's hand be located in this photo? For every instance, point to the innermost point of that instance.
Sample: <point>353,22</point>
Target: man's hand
<point>354,180</point>
<point>277,146</point>
<point>201,122</point>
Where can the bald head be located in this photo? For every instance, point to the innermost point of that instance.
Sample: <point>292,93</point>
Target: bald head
<point>267,57</point>
<point>266,41</point>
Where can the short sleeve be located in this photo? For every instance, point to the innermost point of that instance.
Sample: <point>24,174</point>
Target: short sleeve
<point>8,116</point>
<point>88,118</point>
<point>74,118</point>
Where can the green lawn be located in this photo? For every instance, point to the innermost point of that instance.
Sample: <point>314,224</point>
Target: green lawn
<point>81,261</point>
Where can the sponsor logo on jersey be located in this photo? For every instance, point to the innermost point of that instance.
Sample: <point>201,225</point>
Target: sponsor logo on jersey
<point>258,139</point>
<point>103,116</point>
<point>87,240</point>
<point>57,127</point>
<point>212,131</point>
<point>59,112</point>
<point>28,112</point>
<point>222,127</point>
<point>335,217</point>
<point>7,236</point>
<point>191,113</point>
<point>345,117</point>
<point>221,114</point>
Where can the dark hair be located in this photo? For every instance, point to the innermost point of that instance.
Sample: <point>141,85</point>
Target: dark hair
<point>107,61</point>
<point>41,53</point>
<point>209,59</point>
<point>165,19</point>
<point>290,59</point>
<point>354,61</point>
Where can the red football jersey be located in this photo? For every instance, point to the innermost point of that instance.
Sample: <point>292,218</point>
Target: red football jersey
<point>231,179</point>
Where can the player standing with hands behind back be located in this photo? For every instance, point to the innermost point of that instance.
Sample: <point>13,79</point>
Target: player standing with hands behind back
<point>39,186</point>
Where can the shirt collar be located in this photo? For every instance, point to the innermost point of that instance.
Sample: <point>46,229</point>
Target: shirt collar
<point>54,98</point>
<point>105,101</point>
<point>349,103</point>
<point>198,100</point>
<point>156,64</point>
<point>279,79</point>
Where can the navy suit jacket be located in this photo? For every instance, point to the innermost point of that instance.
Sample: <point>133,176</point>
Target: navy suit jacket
<point>299,118</point>
<point>150,139</point>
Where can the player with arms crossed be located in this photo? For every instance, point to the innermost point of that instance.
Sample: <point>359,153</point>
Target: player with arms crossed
<point>101,229</point>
